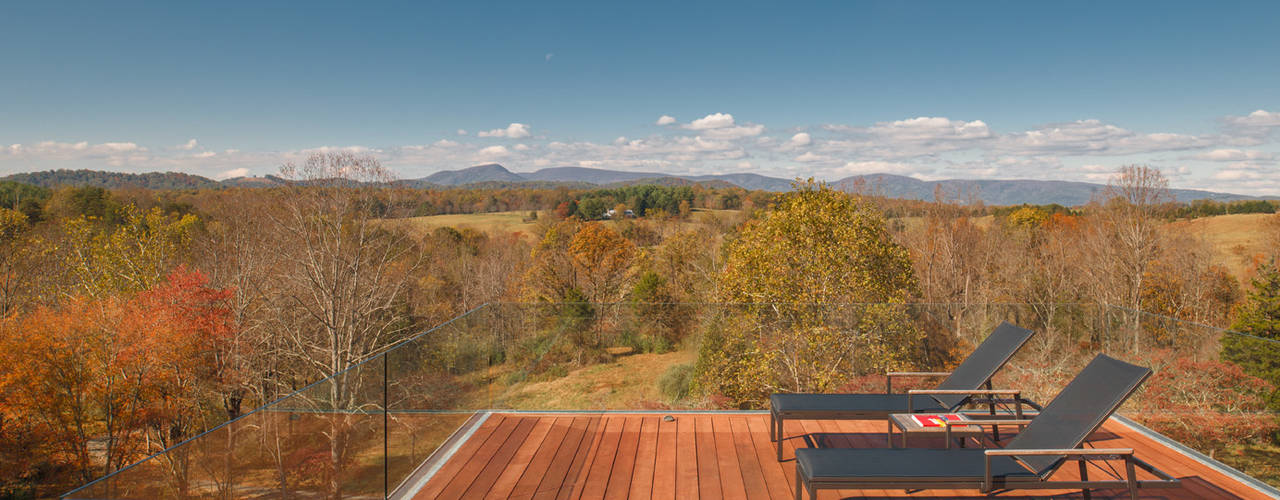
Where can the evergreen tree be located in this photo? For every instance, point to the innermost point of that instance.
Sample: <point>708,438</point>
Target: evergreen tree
<point>1258,316</point>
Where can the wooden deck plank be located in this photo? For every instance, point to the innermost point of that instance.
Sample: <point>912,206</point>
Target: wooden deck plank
<point>566,470</point>
<point>774,471</point>
<point>708,468</point>
<point>596,476</point>
<point>624,461</point>
<point>686,457</point>
<point>748,466</point>
<point>460,458</point>
<point>505,485</point>
<point>732,484</point>
<point>722,455</point>
<point>664,463</point>
<point>489,475</point>
<point>535,472</point>
<point>646,459</point>
<point>467,475</point>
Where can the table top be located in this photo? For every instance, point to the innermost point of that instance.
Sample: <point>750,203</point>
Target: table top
<point>907,423</point>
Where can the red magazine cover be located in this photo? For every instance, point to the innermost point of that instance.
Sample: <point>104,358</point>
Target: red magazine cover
<point>934,420</point>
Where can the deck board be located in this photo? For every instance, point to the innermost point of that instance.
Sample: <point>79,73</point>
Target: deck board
<point>723,455</point>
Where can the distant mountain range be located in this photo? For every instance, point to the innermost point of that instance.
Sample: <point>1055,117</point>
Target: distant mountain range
<point>992,192</point>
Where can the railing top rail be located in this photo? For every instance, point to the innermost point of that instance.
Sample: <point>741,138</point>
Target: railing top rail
<point>1202,325</point>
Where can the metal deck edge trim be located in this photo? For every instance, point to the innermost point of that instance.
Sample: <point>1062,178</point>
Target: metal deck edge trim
<point>438,458</point>
<point>1203,459</point>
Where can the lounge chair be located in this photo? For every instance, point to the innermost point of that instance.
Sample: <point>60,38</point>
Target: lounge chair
<point>957,390</point>
<point>1027,462</point>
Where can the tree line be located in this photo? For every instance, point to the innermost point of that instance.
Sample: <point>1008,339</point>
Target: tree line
<point>139,318</point>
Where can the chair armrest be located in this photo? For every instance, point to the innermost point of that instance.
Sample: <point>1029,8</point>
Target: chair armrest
<point>888,381</point>
<point>1014,392</point>
<point>950,423</point>
<point>988,483</point>
<point>1072,451</point>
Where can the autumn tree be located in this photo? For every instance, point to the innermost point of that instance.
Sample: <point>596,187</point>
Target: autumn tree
<point>343,278</point>
<point>1126,234</point>
<point>552,273</point>
<point>952,255</point>
<point>601,258</point>
<point>102,259</point>
<point>186,330</point>
<point>114,372</point>
<point>816,247</point>
<point>15,252</point>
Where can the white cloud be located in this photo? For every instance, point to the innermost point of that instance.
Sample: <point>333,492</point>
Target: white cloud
<point>549,56</point>
<point>494,152</point>
<point>513,131</point>
<point>734,132</point>
<point>233,173</point>
<point>462,131</point>
<point>711,121</point>
<point>810,157</point>
<point>1233,155</point>
<point>1242,160</point>
<point>1259,118</point>
<point>877,167</point>
<point>927,129</point>
<point>357,150</point>
<point>1093,137</point>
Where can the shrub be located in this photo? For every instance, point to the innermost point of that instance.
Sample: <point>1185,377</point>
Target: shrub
<point>675,384</point>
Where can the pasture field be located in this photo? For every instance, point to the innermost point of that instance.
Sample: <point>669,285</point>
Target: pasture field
<point>629,382</point>
<point>1237,239</point>
<point>502,223</point>
<point>492,222</point>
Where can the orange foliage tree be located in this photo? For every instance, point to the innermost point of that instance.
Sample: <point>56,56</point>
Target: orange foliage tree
<point>126,371</point>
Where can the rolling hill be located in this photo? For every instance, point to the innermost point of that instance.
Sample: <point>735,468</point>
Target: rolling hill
<point>495,176</point>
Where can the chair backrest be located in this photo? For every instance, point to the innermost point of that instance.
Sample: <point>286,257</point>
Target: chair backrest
<point>1077,411</point>
<point>983,362</point>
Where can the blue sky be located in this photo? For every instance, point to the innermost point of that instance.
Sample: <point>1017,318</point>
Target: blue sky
<point>827,89</point>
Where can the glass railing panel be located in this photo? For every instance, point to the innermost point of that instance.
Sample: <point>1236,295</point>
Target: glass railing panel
<point>435,382</point>
<point>335,439</point>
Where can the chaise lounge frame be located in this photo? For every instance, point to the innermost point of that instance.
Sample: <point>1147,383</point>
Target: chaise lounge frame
<point>1053,438</point>
<point>968,384</point>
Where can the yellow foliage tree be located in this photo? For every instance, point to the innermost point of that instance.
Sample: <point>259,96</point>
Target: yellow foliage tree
<point>136,255</point>
<point>822,285</point>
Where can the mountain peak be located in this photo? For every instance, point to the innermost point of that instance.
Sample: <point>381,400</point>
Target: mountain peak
<point>479,173</point>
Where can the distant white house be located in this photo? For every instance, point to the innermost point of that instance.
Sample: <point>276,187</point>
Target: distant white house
<point>608,214</point>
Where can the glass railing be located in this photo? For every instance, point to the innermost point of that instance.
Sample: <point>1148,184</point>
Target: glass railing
<point>363,433</point>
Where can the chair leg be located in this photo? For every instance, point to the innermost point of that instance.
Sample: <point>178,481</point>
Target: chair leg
<point>779,438</point>
<point>1132,479</point>
<point>799,486</point>
<point>773,429</point>
<point>1084,477</point>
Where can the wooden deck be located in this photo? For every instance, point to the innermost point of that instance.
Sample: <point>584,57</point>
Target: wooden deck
<point>721,455</point>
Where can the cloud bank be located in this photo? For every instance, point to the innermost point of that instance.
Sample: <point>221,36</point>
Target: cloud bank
<point>1241,153</point>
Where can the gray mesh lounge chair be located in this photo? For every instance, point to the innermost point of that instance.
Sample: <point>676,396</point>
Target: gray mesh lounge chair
<point>957,390</point>
<point>1026,462</point>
